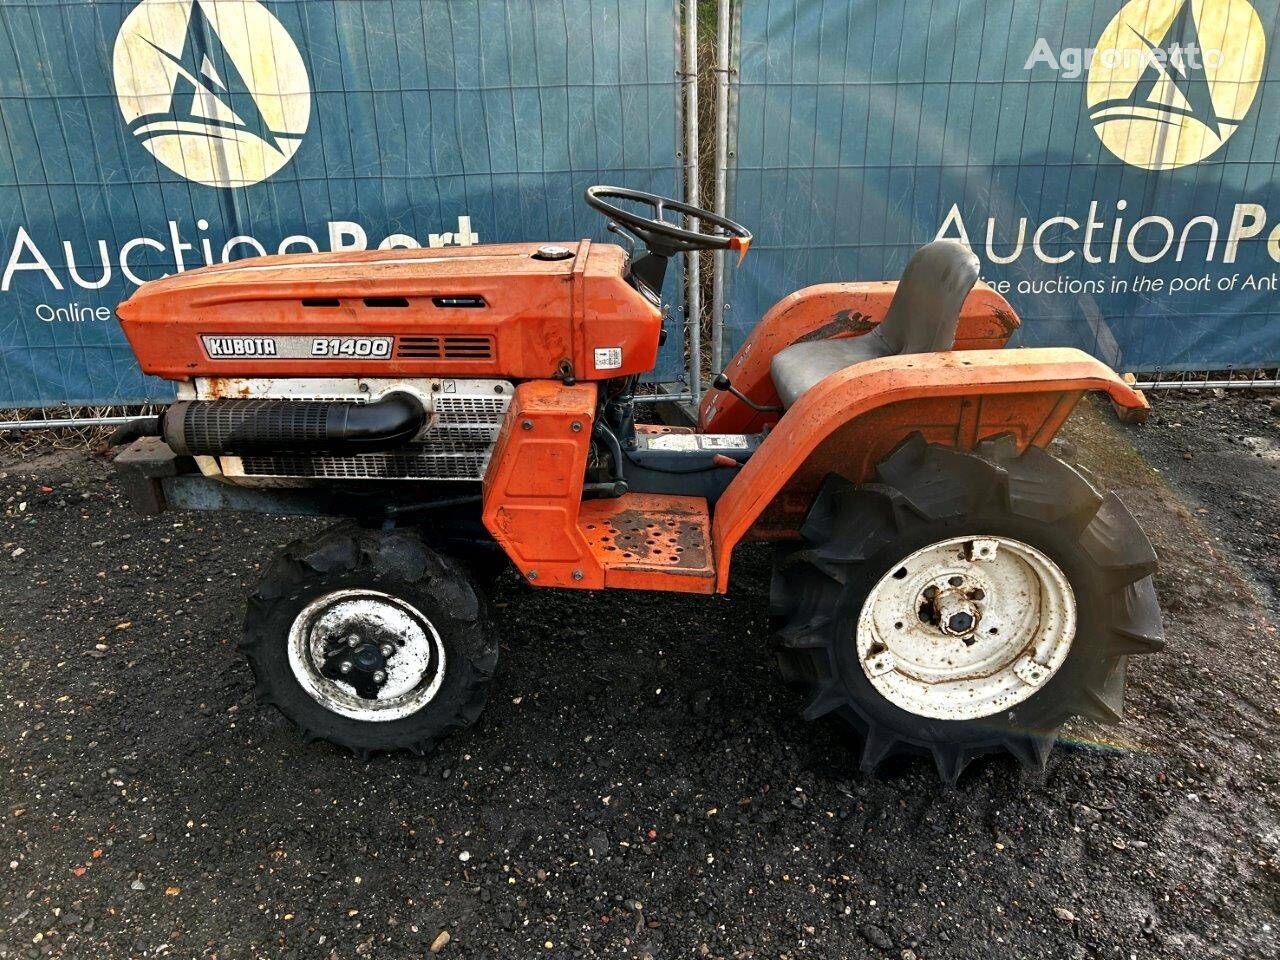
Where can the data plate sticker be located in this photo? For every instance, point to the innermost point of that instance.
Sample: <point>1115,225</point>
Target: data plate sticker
<point>674,441</point>
<point>699,441</point>
<point>608,358</point>
<point>727,441</point>
<point>235,347</point>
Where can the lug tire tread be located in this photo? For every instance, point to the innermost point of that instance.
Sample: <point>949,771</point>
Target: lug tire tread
<point>350,551</point>
<point>919,486</point>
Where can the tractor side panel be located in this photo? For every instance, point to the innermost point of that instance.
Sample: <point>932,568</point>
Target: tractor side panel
<point>533,487</point>
<point>848,422</point>
<point>829,311</point>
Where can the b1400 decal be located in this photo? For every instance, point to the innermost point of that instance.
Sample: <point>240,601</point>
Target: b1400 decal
<point>297,348</point>
<point>373,348</point>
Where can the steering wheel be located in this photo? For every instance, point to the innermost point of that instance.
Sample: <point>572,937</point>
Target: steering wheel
<point>661,237</point>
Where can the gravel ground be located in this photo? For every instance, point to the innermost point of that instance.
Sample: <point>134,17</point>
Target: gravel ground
<point>640,785</point>
<point>1222,453</point>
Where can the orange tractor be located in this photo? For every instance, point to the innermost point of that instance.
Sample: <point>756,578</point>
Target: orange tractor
<point>942,583</point>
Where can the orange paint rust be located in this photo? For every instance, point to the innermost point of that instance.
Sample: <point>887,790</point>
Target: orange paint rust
<point>228,388</point>
<point>648,541</point>
<point>539,314</point>
<point>831,311</point>
<point>850,420</point>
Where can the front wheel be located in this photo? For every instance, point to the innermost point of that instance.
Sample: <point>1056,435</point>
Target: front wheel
<point>965,603</point>
<point>371,640</point>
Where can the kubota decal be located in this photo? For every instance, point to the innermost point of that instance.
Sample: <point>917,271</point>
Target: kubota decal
<point>296,348</point>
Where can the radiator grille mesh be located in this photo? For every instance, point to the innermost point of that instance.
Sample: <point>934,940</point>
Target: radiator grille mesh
<point>416,461</point>
<point>456,446</point>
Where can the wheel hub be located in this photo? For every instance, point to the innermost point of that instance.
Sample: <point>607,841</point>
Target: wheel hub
<point>966,627</point>
<point>957,615</point>
<point>367,655</point>
<point>358,661</point>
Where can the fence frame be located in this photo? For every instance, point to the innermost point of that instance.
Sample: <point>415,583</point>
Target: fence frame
<point>725,92</point>
<point>728,51</point>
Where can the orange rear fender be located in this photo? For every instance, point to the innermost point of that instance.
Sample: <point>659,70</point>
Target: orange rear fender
<point>851,420</point>
<point>829,311</point>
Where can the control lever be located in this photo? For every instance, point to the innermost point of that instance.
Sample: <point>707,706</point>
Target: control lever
<point>626,237</point>
<point>721,382</point>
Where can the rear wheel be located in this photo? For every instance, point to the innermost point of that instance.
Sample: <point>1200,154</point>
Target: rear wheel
<point>965,603</point>
<point>371,640</point>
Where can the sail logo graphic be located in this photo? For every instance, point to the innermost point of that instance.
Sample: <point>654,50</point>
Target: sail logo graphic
<point>216,90</point>
<point>1156,99</point>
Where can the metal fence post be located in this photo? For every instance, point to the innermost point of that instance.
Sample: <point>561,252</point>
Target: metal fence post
<point>693,279</point>
<point>721,175</point>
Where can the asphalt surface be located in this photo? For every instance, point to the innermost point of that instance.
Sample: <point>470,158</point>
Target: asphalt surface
<point>641,784</point>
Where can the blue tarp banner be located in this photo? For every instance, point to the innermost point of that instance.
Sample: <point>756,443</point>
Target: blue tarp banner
<point>1112,164</point>
<point>149,136</point>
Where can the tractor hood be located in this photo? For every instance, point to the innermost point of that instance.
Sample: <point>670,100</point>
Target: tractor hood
<point>516,311</point>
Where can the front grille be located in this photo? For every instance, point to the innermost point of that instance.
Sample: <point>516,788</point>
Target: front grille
<point>464,421</point>
<point>415,461</point>
<point>445,348</point>
<point>459,410</point>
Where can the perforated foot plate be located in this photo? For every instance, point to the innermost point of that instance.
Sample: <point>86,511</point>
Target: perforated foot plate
<point>651,542</point>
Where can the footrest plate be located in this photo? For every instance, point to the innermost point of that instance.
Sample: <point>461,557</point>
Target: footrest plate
<point>651,541</point>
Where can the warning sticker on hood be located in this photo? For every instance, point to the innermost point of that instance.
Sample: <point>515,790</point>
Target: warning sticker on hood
<point>608,358</point>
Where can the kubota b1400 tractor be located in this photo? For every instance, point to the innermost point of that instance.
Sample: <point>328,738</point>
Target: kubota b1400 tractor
<point>942,584</point>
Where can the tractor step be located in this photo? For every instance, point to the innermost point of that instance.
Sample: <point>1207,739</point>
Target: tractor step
<point>648,541</point>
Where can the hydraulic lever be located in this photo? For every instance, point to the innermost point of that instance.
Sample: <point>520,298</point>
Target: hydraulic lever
<point>722,382</point>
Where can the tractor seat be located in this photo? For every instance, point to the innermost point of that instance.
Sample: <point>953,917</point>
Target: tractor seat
<point>921,318</point>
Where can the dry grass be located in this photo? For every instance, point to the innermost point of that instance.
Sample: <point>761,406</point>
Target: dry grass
<point>20,442</point>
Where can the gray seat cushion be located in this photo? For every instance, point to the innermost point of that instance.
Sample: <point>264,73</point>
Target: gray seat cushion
<point>921,318</point>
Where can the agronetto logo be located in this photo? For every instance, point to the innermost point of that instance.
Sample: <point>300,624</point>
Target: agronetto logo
<point>216,90</point>
<point>1171,80</point>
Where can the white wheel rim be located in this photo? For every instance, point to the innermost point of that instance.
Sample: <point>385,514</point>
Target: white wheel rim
<point>918,651</point>
<point>413,669</point>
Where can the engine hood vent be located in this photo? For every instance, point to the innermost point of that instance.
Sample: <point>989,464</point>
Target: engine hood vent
<point>452,347</point>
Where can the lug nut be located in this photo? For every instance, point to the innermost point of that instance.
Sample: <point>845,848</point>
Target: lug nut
<point>379,676</point>
<point>344,666</point>
<point>387,649</point>
<point>352,639</point>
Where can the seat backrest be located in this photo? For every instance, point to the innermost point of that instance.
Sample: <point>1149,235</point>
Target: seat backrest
<point>926,306</point>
